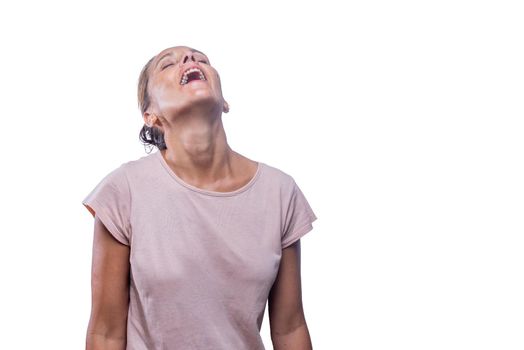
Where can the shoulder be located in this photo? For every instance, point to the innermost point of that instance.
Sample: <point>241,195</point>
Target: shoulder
<point>123,176</point>
<point>139,167</point>
<point>279,177</point>
<point>140,162</point>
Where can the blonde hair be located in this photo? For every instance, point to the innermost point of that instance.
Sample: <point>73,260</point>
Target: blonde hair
<point>148,135</point>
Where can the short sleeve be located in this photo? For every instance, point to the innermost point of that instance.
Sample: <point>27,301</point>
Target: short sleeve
<point>110,200</point>
<point>298,219</point>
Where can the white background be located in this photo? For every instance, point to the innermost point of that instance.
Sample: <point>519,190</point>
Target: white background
<point>402,122</point>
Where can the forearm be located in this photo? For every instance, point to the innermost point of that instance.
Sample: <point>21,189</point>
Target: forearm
<point>101,342</point>
<point>298,339</point>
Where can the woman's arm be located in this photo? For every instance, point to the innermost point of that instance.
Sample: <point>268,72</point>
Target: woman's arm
<point>286,315</point>
<point>107,329</point>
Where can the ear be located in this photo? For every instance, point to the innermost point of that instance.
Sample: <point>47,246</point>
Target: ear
<point>226,107</point>
<point>148,119</point>
<point>151,120</point>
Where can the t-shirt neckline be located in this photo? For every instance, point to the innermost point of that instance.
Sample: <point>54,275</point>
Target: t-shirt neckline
<point>204,191</point>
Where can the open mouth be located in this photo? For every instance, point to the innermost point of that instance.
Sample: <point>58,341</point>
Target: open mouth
<point>192,74</point>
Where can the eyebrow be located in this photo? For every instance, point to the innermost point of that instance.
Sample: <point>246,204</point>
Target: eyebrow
<point>171,53</point>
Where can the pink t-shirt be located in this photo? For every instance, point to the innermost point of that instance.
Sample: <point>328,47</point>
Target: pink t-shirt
<point>202,262</point>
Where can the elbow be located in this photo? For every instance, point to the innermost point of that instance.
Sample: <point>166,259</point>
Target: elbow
<point>107,330</point>
<point>106,337</point>
<point>297,338</point>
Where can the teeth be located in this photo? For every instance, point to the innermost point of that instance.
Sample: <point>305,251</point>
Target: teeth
<point>191,70</point>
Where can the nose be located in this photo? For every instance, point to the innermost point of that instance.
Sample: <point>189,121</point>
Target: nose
<point>188,56</point>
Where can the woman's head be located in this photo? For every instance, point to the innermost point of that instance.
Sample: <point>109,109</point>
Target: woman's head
<point>164,91</point>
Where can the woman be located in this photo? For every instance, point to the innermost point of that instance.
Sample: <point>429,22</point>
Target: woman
<point>191,241</point>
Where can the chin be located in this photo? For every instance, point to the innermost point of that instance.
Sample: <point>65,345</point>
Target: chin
<point>204,102</point>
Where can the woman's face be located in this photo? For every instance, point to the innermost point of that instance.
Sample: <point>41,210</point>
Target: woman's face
<point>173,93</point>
